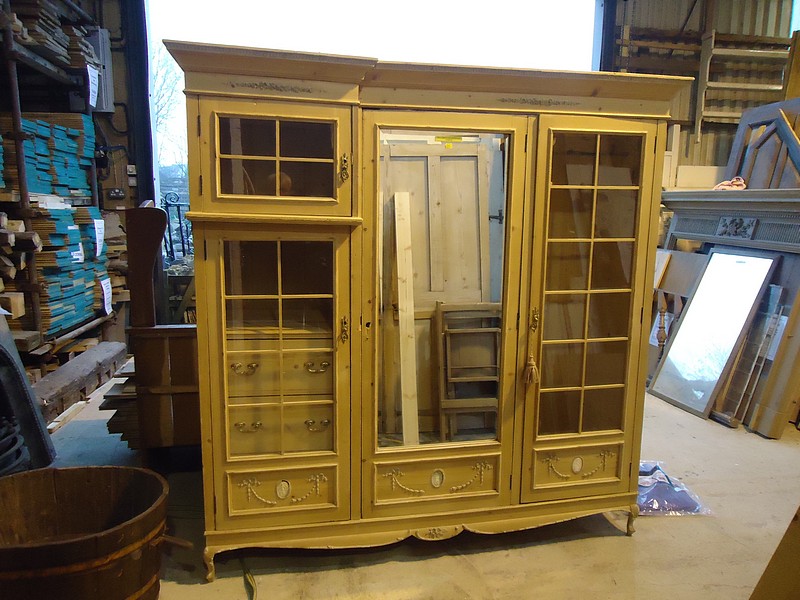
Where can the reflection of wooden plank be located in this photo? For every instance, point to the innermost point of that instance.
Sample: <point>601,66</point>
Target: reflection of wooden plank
<point>405,304</point>
<point>483,223</point>
<point>662,258</point>
<point>386,364</point>
<point>436,231</point>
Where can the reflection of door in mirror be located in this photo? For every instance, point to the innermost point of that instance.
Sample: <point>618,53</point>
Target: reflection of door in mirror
<point>443,199</point>
<point>711,329</point>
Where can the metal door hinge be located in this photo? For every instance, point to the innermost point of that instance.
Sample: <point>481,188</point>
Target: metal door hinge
<point>198,125</point>
<point>201,185</point>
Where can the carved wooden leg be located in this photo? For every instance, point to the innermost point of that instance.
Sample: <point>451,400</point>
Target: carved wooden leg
<point>208,559</point>
<point>632,514</point>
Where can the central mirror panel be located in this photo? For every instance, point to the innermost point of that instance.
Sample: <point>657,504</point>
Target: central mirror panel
<point>440,251</point>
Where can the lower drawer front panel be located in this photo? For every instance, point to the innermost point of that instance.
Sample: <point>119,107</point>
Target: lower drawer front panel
<point>437,479</point>
<point>561,467</point>
<point>281,490</point>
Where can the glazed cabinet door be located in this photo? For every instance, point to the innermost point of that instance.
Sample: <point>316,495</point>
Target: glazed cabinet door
<point>588,265</point>
<point>280,376</point>
<point>278,158</point>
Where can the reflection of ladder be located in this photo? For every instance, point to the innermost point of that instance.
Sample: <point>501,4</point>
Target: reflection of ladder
<point>468,352</point>
<point>750,74</point>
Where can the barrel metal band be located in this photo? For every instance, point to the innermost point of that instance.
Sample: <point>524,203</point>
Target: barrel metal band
<point>87,565</point>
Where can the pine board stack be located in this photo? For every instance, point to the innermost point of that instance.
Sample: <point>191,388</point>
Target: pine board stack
<point>69,178</point>
<point>37,155</point>
<point>43,23</point>
<point>121,398</point>
<point>118,264</point>
<point>67,288</point>
<point>71,145</point>
<point>81,52</point>
<point>92,228</point>
<point>59,156</point>
<point>16,244</point>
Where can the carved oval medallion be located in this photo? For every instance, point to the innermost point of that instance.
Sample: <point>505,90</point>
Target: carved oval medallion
<point>282,489</point>
<point>437,478</point>
<point>577,465</point>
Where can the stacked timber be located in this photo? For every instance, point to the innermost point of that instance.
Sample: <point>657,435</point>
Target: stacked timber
<point>58,153</point>
<point>71,146</point>
<point>121,398</point>
<point>45,36</point>
<point>79,121</point>
<point>15,246</point>
<point>37,155</point>
<point>81,52</point>
<point>69,178</point>
<point>68,297</point>
<point>92,227</point>
<point>66,288</point>
<point>117,258</point>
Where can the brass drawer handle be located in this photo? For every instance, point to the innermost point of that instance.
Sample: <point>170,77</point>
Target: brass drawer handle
<point>241,369</point>
<point>323,366</point>
<point>245,428</point>
<point>323,425</point>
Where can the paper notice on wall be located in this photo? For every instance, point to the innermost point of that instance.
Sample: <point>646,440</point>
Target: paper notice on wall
<point>78,255</point>
<point>106,285</point>
<point>94,80</point>
<point>99,235</point>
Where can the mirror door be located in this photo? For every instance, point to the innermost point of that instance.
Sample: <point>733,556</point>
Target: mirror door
<point>442,334</point>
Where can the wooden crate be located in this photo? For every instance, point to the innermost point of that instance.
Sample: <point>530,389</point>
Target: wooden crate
<point>166,385</point>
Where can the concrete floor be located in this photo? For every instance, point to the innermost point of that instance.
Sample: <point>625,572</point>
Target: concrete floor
<point>751,485</point>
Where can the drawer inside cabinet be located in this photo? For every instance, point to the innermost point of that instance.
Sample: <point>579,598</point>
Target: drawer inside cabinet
<point>290,373</point>
<point>556,467</point>
<point>280,429</point>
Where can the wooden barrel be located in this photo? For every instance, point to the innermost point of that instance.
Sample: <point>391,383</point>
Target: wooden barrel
<point>81,533</point>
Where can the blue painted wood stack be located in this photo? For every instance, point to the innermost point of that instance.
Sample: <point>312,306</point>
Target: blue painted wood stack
<point>69,178</point>
<point>58,155</point>
<point>37,155</point>
<point>92,227</point>
<point>67,297</point>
